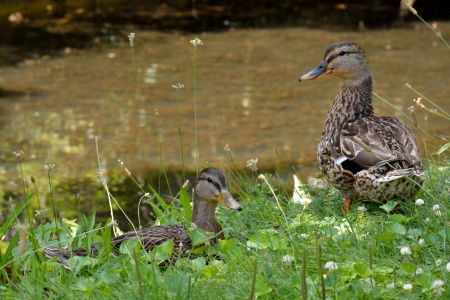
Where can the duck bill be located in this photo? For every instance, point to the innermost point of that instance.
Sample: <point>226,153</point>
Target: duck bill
<point>319,71</point>
<point>226,199</point>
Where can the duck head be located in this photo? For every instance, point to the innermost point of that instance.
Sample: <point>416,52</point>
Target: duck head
<point>344,59</point>
<point>212,187</point>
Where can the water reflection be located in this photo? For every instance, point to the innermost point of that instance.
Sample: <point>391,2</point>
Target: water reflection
<point>247,96</point>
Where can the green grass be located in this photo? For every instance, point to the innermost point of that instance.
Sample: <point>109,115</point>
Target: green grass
<point>275,249</point>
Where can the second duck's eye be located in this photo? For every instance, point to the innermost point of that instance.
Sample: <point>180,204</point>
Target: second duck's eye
<point>342,53</point>
<point>209,179</point>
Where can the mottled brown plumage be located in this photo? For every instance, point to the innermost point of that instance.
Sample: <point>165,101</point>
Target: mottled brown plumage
<point>211,187</point>
<point>391,166</point>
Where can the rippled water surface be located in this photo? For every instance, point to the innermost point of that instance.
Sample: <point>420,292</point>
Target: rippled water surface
<point>248,96</point>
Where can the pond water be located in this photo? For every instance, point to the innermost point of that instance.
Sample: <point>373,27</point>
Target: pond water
<point>248,96</point>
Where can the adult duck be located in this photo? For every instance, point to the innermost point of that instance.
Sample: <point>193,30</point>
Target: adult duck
<point>211,188</point>
<point>367,158</point>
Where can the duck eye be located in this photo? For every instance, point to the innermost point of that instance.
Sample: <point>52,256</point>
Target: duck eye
<point>342,53</point>
<point>209,179</point>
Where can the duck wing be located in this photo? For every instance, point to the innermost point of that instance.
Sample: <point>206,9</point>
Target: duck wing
<point>390,140</point>
<point>156,235</point>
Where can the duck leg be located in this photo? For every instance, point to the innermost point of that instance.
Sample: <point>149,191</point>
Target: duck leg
<point>347,203</point>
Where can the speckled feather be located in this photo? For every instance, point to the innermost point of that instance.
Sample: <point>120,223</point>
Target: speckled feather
<point>381,174</point>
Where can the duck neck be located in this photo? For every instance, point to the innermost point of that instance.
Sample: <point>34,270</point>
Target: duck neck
<point>204,215</point>
<point>353,101</point>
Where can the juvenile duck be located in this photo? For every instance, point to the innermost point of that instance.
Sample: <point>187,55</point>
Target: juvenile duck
<point>367,158</point>
<point>211,188</point>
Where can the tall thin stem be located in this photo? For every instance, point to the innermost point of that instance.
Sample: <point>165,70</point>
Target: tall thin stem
<point>195,114</point>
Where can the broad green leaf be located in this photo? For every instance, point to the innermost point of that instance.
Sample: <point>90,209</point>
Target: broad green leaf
<point>109,276</point>
<point>426,281</point>
<point>414,232</point>
<point>385,237</point>
<point>77,262</point>
<point>388,207</point>
<point>266,238</point>
<point>128,246</point>
<point>197,235</point>
<point>442,149</point>
<point>197,264</point>
<point>408,267</point>
<point>394,227</point>
<point>261,287</point>
<point>397,218</point>
<point>363,270</point>
<point>164,251</point>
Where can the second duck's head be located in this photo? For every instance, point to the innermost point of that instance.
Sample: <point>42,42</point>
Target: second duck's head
<point>212,186</point>
<point>344,59</point>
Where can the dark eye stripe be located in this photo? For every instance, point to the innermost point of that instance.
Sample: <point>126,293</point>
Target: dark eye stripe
<point>217,185</point>
<point>331,58</point>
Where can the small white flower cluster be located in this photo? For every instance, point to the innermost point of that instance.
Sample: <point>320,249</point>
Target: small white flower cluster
<point>362,208</point>
<point>437,285</point>
<point>420,202</point>
<point>196,42</point>
<point>39,213</point>
<point>405,251</point>
<point>407,287</point>
<point>18,153</point>
<point>421,242</point>
<point>331,266</point>
<point>178,86</point>
<point>49,166</point>
<point>437,210</point>
<point>251,163</point>
<point>287,259</point>
<point>131,38</point>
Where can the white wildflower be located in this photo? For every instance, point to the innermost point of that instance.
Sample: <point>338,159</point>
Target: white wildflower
<point>331,265</point>
<point>299,195</point>
<point>437,285</point>
<point>438,213</point>
<point>18,153</point>
<point>427,220</point>
<point>436,207</point>
<point>407,287</point>
<point>420,202</point>
<point>261,177</point>
<point>421,242</point>
<point>131,38</point>
<point>39,213</point>
<point>304,235</point>
<point>362,208</point>
<point>196,42</point>
<point>438,262</point>
<point>287,259</point>
<point>251,163</point>
<point>419,271</point>
<point>178,86</point>
<point>405,251</point>
<point>49,166</point>
<point>448,267</point>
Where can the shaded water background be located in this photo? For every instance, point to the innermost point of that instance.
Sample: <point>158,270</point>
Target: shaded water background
<point>248,96</point>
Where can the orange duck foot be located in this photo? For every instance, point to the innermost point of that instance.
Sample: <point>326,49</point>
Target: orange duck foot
<point>347,203</point>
